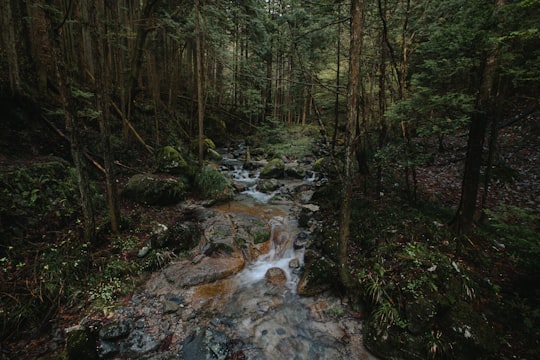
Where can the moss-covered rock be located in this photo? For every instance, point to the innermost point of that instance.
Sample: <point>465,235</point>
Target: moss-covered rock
<point>81,345</point>
<point>155,190</point>
<point>319,275</point>
<point>170,161</point>
<point>213,185</point>
<point>275,168</point>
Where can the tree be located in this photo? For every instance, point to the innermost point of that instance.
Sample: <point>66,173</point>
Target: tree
<point>102,79</point>
<point>200,99</point>
<point>350,138</point>
<point>485,108</point>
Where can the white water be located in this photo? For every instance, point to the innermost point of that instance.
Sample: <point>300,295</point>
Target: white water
<point>280,255</point>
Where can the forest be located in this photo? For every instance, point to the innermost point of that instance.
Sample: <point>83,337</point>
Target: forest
<point>402,134</point>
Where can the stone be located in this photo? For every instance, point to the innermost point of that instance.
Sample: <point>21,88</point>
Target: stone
<point>319,275</point>
<point>115,330</point>
<point>81,345</point>
<point>276,276</point>
<point>275,168</point>
<point>138,343</point>
<point>155,190</point>
<point>169,160</point>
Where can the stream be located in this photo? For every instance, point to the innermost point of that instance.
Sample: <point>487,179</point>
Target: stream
<point>239,305</point>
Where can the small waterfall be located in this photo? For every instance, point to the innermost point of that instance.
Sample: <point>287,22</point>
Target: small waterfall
<point>281,254</point>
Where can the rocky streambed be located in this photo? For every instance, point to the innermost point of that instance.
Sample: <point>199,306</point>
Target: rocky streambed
<point>248,289</point>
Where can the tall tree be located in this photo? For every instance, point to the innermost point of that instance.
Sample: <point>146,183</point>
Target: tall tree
<point>200,99</point>
<point>485,108</point>
<point>102,80</point>
<point>10,44</point>
<point>64,78</point>
<point>353,91</point>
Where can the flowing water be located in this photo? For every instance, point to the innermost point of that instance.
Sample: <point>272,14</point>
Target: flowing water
<point>275,321</point>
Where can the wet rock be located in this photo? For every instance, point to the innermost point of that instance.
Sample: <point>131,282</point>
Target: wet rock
<point>155,190</point>
<point>268,185</point>
<point>108,349</point>
<point>301,240</point>
<point>81,345</point>
<point>205,344</point>
<point>115,330</point>
<point>185,273</point>
<point>138,343</point>
<point>275,168</point>
<point>294,263</point>
<point>276,276</point>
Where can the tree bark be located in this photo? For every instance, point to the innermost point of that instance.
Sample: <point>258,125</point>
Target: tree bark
<point>102,79</point>
<point>73,129</point>
<point>464,218</point>
<point>200,99</point>
<point>350,140</point>
<point>10,43</point>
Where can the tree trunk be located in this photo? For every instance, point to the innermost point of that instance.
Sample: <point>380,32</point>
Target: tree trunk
<point>10,44</point>
<point>102,79</point>
<point>77,153</point>
<point>464,218</point>
<point>200,99</point>
<point>350,140</point>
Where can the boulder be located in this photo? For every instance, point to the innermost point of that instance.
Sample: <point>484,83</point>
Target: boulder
<point>155,190</point>
<point>169,160</point>
<point>81,345</point>
<point>276,276</point>
<point>319,275</point>
<point>275,168</point>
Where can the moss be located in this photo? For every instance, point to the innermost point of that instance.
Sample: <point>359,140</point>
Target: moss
<point>169,160</point>
<point>260,235</point>
<point>275,168</point>
<point>154,190</point>
<point>81,345</point>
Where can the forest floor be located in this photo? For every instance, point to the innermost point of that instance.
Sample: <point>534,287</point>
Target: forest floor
<point>515,182</point>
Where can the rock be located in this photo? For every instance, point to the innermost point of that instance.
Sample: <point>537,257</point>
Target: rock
<point>155,190</point>
<point>212,154</point>
<point>185,273</point>
<point>143,252</point>
<point>295,171</point>
<point>301,240</point>
<point>169,160</point>
<point>115,330</point>
<point>275,168</point>
<point>107,349</point>
<point>81,345</point>
<point>205,344</point>
<point>138,343</point>
<point>294,263</point>
<point>268,185</point>
<point>179,237</point>
<point>319,275</point>
<point>471,334</point>
<point>276,276</point>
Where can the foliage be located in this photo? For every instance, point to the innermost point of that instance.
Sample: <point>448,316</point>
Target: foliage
<point>292,141</point>
<point>517,229</point>
<point>413,289</point>
<point>34,196</point>
<point>212,184</point>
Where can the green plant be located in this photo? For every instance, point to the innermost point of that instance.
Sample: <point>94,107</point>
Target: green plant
<point>517,230</point>
<point>212,184</point>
